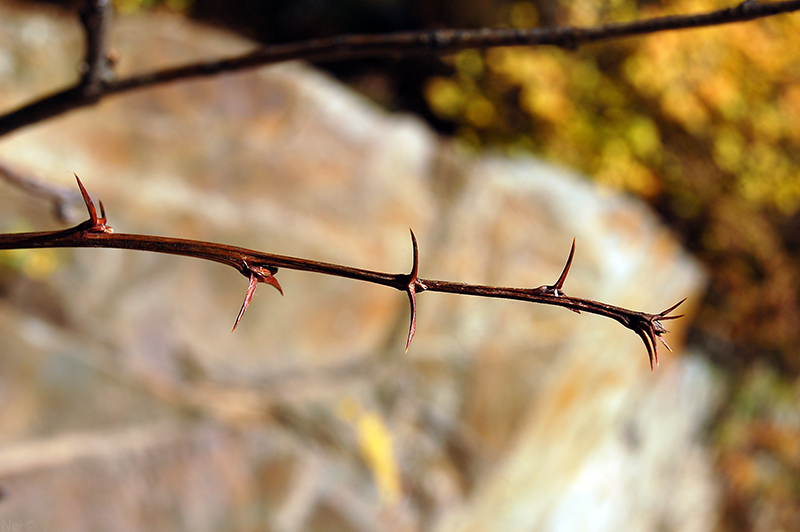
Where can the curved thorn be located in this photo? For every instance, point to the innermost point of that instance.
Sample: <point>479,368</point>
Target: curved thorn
<point>412,328</point>
<point>251,290</point>
<point>646,339</point>
<point>563,277</point>
<point>272,281</point>
<point>415,265</point>
<point>87,200</point>
<point>411,290</point>
<point>263,274</point>
<point>102,212</point>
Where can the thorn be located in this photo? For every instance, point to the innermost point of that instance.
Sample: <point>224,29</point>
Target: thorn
<point>556,289</point>
<point>646,339</point>
<point>661,338</point>
<point>412,328</point>
<point>98,225</point>
<point>663,315</point>
<point>272,281</point>
<point>655,347</point>
<point>251,290</point>
<point>563,277</point>
<point>87,200</point>
<point>411,290</point>
<point>415,259</point>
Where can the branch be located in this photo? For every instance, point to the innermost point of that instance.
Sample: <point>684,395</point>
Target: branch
<point>261,267</point>
<point>97,81</point>
<point>59,197</point>
<point>95,16</point>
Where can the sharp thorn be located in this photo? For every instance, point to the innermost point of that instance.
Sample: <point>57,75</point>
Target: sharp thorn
<point>412,328</point>
<point>664,313</point>
<point>655,346</point>
<point>87,200</point>
<point>411,290</point>
<point>102,212</point>
<point>415,265</point>
<point>251,290</point>
<point>272,281</point>
<point>646,339</point>
<point>563,277</point>
<point>665,344</point>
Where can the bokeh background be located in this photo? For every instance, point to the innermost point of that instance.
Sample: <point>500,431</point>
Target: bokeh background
<point>313,418</point>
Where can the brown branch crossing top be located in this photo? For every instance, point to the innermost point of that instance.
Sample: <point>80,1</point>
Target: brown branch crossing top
<point>262,267</point>
<point>97,80</point>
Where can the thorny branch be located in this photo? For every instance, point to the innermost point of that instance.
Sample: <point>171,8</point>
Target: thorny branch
<point>98,82</point>
<point>261,267</point>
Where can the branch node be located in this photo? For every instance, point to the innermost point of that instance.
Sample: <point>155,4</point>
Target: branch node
<point>257,274</point>
<point>94,224</point>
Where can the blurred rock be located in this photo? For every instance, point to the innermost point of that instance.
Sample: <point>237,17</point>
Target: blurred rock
<point>500,414</point>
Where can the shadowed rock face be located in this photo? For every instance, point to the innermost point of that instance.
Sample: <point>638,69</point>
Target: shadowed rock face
<point>128,404</point>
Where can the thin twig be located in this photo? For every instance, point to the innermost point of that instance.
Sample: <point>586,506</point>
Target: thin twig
<point>261,267</point>
<point>392,45</point>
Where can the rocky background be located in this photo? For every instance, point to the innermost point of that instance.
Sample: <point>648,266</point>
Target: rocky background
<point>128,404</point>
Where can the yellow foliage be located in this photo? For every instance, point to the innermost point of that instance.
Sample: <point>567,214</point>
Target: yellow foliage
<point>445,97</point>
<point>132,6</point>
<point>376,444</point>
<point>524,15</point>
<point>35,263</point>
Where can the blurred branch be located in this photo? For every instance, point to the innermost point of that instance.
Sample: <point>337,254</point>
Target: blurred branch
<point>261,268</point>
<point>60,197</point>
<point>95,16</point>
<point>97,81</point>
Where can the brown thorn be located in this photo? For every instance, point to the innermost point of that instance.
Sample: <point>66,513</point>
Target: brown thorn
<point>264,274</point>
<point>272,281</point>
<point>251,290</point>
<point>415,266</point>
<point>664,313</point>
<point>412,328</point>
<point>411,290</point>
<point>652,335</point>
<point>87,200</point>
<point>646,339</point>
<point>563,277</point>
<point>661,338</point>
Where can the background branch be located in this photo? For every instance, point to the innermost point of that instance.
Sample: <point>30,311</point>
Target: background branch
<point>61,198</point>
<point>95,16</point>
<point>92,88</point>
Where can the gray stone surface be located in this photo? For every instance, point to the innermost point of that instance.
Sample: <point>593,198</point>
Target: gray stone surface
<point>310,417</point>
